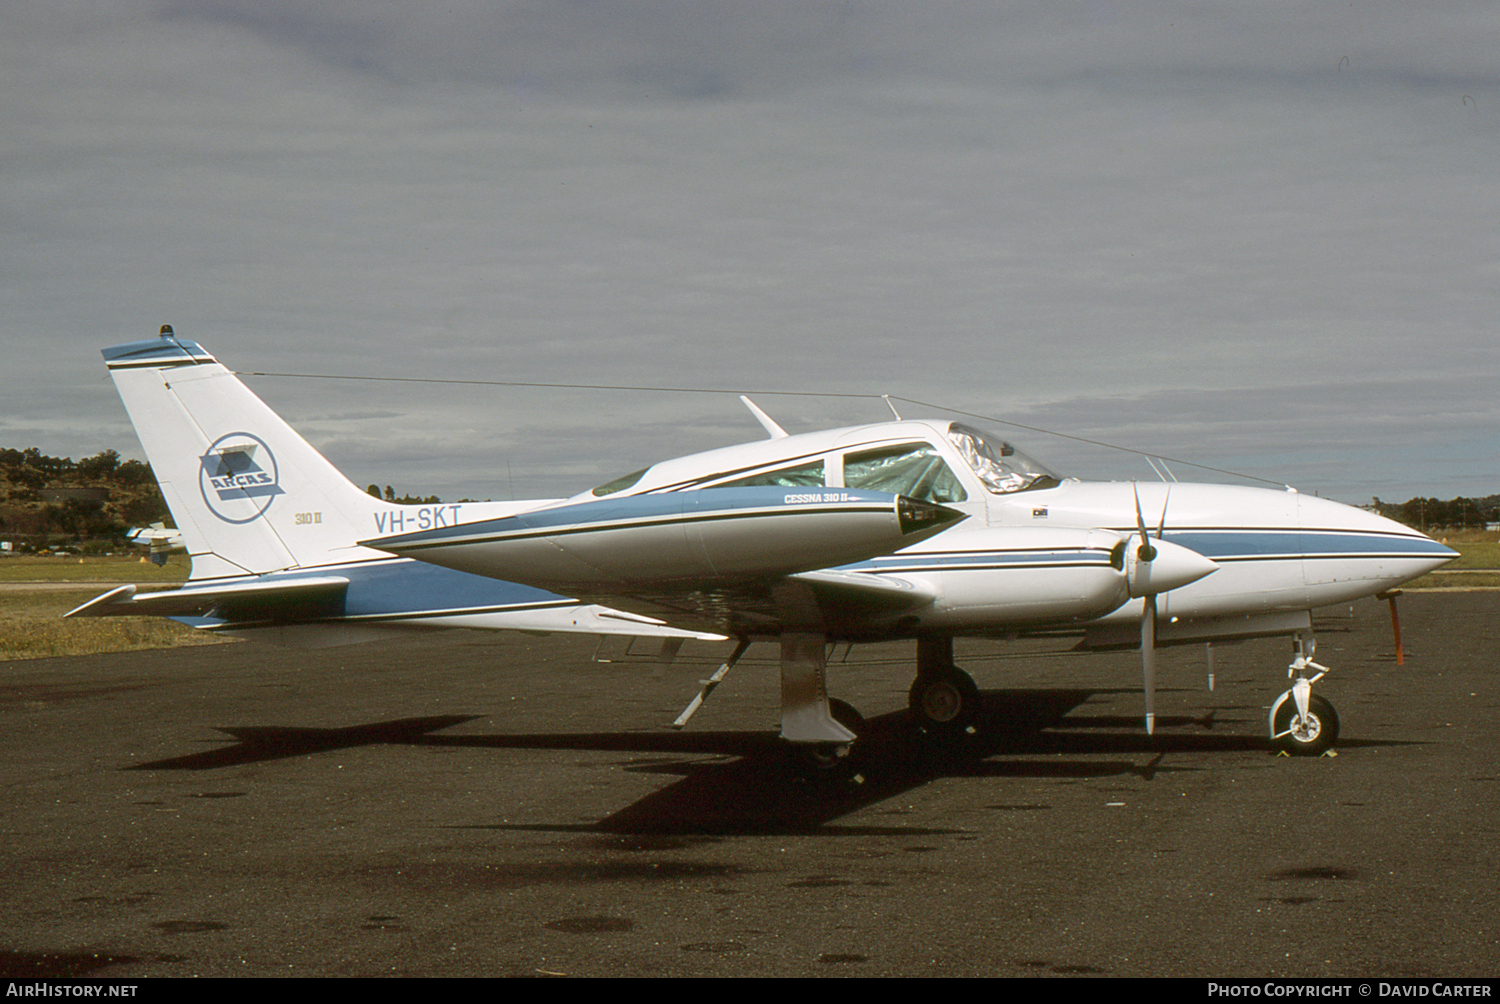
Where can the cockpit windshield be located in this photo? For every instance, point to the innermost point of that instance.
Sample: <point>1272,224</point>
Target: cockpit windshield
<point>1003,468</point>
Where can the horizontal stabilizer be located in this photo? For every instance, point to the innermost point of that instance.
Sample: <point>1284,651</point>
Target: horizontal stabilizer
<point>253,600</point>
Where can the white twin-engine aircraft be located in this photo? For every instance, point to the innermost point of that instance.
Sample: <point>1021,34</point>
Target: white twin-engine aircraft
<point>906,529</point>
<point>158,539</point>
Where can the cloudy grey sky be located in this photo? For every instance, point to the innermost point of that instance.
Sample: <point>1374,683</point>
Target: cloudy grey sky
<point>1260,237</point>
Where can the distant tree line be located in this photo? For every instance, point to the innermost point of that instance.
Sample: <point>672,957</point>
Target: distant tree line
<point>390,496</point>
<point>1453,514</point>
<point>33,469</point>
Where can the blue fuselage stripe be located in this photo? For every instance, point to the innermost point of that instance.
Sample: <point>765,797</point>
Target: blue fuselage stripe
<point>1249,545</point>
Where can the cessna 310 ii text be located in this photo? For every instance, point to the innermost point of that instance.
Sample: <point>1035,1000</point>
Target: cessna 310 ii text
<point>900,530</point>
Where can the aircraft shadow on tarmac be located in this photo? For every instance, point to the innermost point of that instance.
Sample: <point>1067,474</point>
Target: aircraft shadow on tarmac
<point>744,782</point>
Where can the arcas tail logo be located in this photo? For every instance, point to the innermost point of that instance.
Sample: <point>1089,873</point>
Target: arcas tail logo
<point>238,477</point>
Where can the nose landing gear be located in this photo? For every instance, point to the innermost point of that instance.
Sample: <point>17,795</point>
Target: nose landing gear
<point>1301,723</point>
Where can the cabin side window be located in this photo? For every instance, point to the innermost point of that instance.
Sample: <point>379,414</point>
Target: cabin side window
<point>912,469</point>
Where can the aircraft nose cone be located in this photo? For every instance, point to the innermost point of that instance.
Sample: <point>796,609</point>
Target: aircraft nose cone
<point>1401,553</point>
<point>1174,566</point>
<point>1426,553</point>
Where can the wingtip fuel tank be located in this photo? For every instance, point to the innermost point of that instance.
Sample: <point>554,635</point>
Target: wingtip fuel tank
<point>680,537</point>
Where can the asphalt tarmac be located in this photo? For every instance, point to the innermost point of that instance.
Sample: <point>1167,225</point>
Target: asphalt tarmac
<point>499,805</point>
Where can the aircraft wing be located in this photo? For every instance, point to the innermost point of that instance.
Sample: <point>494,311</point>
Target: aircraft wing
<point>753,607</point>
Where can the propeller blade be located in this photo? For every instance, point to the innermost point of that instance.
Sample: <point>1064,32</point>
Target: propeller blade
<point>1140,518</point>
<point>1145,552</point>
<point>1148,662</point>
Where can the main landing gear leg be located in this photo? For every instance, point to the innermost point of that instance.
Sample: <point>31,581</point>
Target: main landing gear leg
<point>1302,723</point>
<point>943,699</point>
<point>820,732</point>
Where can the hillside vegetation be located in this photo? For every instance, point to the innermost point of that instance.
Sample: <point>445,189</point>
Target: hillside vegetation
<point>50,502</point>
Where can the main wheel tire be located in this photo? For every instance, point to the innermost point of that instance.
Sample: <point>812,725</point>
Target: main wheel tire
<point>1314,734</point>
<point>947,701</point>
<point>830,764</point>
<point>846,715</point>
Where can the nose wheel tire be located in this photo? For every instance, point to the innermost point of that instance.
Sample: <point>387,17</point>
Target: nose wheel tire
<point>1311,735</point>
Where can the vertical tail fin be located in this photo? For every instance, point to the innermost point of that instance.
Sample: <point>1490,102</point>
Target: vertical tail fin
<point>248,493</point>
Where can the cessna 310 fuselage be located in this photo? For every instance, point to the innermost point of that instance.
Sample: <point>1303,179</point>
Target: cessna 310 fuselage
<point>904,529</point>
<point>1016,560</point>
